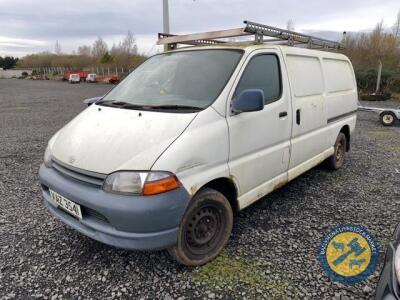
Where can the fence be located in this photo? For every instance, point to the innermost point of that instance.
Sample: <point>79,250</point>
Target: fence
<point>105,71</point>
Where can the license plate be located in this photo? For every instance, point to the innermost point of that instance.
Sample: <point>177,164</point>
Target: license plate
<point>67,205</point>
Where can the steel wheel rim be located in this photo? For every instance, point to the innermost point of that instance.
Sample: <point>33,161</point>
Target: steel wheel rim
<point>340,151</point>
<point>204,230</point>
<point>387,119</point>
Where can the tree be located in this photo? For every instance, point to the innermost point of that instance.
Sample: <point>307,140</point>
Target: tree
<point>99,48</point>
<point>128,45</point>
<point>123,55</point>
<point>57,48</point>
<point>372,51</point>
<point>106,58</point>
<point>84,50</point>
<point>396,26</point>
<point>290,25</point>
<point>8,62</point>
<point>124,52</point>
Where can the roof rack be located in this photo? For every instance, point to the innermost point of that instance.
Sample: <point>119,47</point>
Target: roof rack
<point>259,31</point>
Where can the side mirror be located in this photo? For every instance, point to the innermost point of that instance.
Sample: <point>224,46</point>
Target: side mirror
<point>248,100</point>
<point>90,101</point>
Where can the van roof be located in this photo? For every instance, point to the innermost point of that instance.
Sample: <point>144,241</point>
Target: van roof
<point>250,47</point>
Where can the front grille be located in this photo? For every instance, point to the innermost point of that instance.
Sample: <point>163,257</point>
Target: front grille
<point>80,175</point>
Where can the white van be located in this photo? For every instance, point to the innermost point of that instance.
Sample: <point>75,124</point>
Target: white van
<point>74,78</point>
<point>194,135</point>
<point>91,77</point>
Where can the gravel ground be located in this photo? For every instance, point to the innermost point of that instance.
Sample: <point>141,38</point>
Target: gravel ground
<point>272,251</point>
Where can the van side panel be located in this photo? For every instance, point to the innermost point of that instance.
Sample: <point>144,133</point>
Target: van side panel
<point>341,91</point>
<point>324,95</point>
<point>341,95</point>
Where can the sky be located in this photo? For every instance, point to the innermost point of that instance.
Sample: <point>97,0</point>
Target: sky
<point>29,26</point>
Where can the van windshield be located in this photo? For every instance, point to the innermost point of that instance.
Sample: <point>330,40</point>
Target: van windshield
<point>187,79</point>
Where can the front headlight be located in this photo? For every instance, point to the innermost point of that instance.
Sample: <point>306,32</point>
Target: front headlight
<point>140,183</point>
<point>47,157</point>
<point>397,263</point>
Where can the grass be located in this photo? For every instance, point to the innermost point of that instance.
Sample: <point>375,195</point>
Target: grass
<point>383,134</point>
<point>395,96</point>
<point>224,270</point>
<point>395,148</point>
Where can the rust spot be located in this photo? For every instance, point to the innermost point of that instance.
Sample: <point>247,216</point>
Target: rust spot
<point>279,184</point>
<point>193,190</point>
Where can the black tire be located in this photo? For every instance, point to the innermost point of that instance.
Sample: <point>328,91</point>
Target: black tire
<point>387,118</point>
<point>204,230</point>
<point>336,161</point>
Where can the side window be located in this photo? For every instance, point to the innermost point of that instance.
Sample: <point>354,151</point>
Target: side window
<point>262,72</point>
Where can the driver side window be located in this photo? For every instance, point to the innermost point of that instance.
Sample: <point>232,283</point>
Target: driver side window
<point>262,72</point>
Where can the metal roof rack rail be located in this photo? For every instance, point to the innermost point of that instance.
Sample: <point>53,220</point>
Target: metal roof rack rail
<point>259,31</point>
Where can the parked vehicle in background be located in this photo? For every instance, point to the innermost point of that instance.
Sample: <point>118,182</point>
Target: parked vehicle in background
<point>91,77</point>
<point>113,79</point>
<point>387,116</point>
<point>193,135</point>
<point>82,74</point>
<point>389,282</point>
<point>74,78</point>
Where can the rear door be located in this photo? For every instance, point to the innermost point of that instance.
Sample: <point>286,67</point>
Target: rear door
<point>260,141</point>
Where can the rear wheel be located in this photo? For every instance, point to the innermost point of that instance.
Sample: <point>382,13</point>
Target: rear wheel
<point>204,230</point>
<point>336,161</point>
<point>387,118</point>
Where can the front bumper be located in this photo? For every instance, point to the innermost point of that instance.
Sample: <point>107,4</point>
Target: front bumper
<point>129,222</point>
<point>388,287</point>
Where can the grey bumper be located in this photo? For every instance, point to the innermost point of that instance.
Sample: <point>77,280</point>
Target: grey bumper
<point>129,222</point>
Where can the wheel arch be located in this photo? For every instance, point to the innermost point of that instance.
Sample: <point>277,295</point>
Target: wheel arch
<point>226,187</point>
<point>346,131</point>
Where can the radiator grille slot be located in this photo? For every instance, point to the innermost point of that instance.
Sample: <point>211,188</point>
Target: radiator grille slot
<point>83,176</point>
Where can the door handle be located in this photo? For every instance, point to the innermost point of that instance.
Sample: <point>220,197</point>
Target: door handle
<point>282,114</point>
<point>298,117</point>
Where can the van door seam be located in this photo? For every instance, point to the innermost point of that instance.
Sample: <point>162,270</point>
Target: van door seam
<point>291,107</point>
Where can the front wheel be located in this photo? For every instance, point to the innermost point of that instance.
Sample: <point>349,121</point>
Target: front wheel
<point>387,118</point>
<point>336,161</point>
<point>204,230</point>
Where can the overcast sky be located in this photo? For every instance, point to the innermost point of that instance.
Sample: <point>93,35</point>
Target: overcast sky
<point>28,26</point>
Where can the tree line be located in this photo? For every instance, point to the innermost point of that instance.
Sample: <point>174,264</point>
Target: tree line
<point>8,62</point>
<point>368,49</point>
<point>124,54</point>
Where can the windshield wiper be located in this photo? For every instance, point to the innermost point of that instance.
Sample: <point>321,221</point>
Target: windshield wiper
<point>127,105</point>
<point>111,102</point>
<point>121,104</point>
<point>176,106</point>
